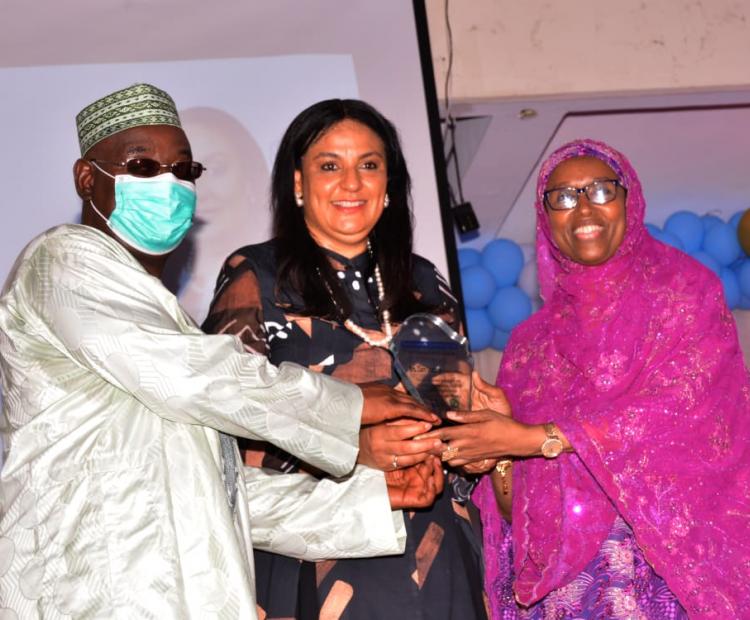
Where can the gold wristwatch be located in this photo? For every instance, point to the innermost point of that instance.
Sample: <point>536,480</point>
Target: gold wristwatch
<point>553,445</point>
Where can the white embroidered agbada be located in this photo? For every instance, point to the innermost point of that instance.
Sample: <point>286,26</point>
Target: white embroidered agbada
<point>112,501</point>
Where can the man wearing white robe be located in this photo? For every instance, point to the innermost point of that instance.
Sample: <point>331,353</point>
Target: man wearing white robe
<point>113,496</point>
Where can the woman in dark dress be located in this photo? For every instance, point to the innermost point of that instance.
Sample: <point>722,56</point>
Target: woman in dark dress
<point>328,292</point>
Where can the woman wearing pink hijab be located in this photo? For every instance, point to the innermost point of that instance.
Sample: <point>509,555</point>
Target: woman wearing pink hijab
<point>630,433</point>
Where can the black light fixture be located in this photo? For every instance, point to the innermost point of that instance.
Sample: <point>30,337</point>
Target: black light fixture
<point>465,218</point>
<point>463,213</point>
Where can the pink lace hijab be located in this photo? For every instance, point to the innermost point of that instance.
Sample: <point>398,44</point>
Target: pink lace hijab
<point>637,361</point>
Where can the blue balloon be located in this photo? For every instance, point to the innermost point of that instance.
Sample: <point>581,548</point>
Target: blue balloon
<point>743,276</point>
<point>731,284</point>
<point>500,339</point>
<point>653,230</point>
<point>736,265</point>
<point>734,221</point>
<point>721,243</point>
<point>709,221</point>
<point>670,239</point>
<point>688,227</point>
<point>478,286</point>
<point>468,257</point>
<point>509,307</point>
<point>480,329</point>
<point>504,259</point>
<point>708,261</point>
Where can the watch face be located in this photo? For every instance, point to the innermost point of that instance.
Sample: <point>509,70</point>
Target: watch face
<point>552,447</point>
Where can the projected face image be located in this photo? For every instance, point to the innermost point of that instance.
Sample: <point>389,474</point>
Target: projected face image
<point>233,157</point>
<point>232,202</point>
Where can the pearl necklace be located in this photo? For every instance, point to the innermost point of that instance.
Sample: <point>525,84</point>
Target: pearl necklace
<point>356,329</point>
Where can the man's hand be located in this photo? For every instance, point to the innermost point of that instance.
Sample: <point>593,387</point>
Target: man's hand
<point>384,403</point>
<point>389,445</point>
<point>416,486</point>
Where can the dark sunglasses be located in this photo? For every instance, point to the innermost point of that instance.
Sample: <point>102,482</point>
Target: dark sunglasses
<point>144,167</point>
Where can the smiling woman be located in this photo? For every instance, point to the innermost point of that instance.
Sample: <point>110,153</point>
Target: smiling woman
<point>342,187</point>
<point>586,208</point>
<point>329,292</point>
<point>628,438</point>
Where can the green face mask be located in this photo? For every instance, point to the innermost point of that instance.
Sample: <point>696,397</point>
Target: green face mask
<point>151,214</point>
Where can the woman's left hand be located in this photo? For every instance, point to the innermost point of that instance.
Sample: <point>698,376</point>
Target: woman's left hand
<point>480,467</point>
<point>486,434</point>
<point>483,395</point>
<point>487,396</point>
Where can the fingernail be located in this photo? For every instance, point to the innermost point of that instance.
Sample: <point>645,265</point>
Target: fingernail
<point>452,415</point>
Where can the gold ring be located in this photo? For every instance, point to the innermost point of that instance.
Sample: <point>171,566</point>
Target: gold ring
<point>394,461</point>
<point>449,453</point>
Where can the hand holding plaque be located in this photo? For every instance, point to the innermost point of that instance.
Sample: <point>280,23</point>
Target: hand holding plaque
<point>434,363</point>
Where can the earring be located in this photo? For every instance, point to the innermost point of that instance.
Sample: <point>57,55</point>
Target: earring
<point>298,199</point>
<point>386,201</point>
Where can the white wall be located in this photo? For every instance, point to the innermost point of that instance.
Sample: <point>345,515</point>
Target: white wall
<point>566,56</point>
<point>506,48</point>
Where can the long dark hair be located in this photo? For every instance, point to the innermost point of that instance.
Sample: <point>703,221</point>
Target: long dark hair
<point>301,261</point>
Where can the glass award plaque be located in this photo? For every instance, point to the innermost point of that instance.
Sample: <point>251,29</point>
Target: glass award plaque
<point>434,363</point>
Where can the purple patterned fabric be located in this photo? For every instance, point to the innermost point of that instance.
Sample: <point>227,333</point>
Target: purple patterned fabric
<point>618,584</point>
<point>498,554</point>
<point>637,361</point>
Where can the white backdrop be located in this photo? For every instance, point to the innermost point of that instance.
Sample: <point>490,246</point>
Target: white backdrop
<point>231,206</point>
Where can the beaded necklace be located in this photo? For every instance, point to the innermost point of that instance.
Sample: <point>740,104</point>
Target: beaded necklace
<point>351,325</point>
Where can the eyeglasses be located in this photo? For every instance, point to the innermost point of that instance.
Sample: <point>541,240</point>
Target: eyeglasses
<point>597,192</point>
<point>144,167</point>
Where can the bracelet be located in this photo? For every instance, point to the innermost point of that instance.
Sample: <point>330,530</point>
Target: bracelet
<point>502,468</point>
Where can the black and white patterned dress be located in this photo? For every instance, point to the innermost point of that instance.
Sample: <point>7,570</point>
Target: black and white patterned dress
<point>439,575</point>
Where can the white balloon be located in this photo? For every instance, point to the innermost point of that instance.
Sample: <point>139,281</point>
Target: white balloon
<point>529,252</point>
<point>528,282</point>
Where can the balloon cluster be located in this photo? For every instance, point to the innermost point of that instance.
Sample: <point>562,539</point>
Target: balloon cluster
<point>500,287</point>
<point>721,246</point>
<point>500,290</point>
